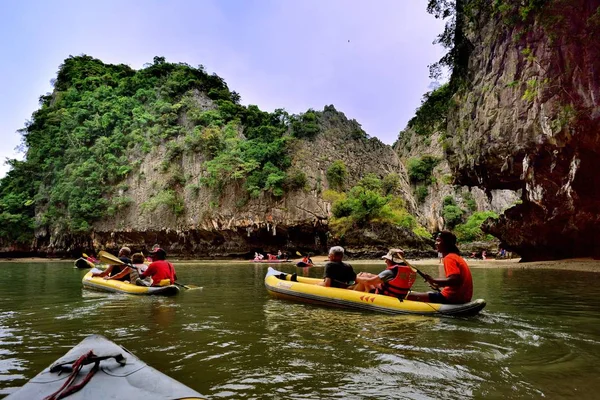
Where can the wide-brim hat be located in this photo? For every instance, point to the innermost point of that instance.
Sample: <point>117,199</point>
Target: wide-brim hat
<point>394,255</point>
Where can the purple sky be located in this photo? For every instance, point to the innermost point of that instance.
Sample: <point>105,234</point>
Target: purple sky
<point>291,54</point>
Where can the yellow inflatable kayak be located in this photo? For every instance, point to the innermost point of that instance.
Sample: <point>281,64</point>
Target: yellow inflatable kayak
<point>303,289</point>
<point>115,286</point>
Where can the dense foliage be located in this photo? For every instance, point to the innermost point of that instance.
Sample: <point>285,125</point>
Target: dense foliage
<point>451,212</point>
<point>100,122</point>
<point>420,169</point>
<point>367,202</point>
<point>471,230</point>
<point>432,113</point>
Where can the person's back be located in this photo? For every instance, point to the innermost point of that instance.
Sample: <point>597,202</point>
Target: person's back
<point>337,273</point>
<point>159,269</point>
<point>341,274</point>
<point>453,265</point>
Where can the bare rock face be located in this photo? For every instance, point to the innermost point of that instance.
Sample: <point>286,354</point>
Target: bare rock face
<point>529,119</point>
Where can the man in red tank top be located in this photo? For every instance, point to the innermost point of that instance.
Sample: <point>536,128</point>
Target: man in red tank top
<point>457,286</point>
<point>159,269</point>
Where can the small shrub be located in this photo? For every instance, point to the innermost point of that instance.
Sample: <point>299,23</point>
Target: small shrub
<point>420,169</point>
<point>336,175</point>
<point>448,201</point>
<point>371,182</point>
<point>452,215</point>
<point>421,193</point>
<point>296,180</point>
<point>390,183</point>
<point>194,189</point>
<point>470,201</point>
<point>332,196</point>
<point>167,198</point>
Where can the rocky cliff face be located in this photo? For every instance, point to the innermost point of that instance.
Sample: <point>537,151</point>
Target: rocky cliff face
<point>528,119</point>
<point>429,211</point>
<point>229,223</point>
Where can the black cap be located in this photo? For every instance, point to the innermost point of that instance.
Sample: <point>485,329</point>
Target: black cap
<point>159,252</point>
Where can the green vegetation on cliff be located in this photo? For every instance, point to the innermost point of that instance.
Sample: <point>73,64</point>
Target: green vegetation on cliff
<point>371,200</point>
<point>101,120</point>
<point>471,231</point>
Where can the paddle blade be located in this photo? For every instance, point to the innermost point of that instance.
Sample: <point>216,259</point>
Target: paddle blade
<point>298,253</point>
<point>109,258</point>
<point>85,255</point>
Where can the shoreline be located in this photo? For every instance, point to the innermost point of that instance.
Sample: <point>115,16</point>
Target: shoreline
<point>571,264</point>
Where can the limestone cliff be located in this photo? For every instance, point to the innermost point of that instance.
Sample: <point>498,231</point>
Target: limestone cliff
<point>527,118</point>
<point>409,146</point>
<point>230,223</point>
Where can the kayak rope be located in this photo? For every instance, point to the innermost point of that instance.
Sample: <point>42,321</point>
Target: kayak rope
<point>68,388</point>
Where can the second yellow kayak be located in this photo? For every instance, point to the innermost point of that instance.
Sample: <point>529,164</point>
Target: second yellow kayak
<point>303,289</point>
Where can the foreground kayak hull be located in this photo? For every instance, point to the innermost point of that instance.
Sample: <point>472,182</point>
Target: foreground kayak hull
<point>132,380</point>
<point>114,286</point>
<point>281,285</point>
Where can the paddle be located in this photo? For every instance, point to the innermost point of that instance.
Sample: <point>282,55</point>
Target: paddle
<point>110,259</point>
<point>91,259</point>
<point>431,285</point>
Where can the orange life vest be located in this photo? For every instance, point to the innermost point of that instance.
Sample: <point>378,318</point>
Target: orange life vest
<point>401,284</point>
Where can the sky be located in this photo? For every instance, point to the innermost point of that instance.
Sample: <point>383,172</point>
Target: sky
<point>368,58</point>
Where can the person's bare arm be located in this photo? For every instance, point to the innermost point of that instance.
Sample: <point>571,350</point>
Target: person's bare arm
<point>326,282</point>
<point>368,279</point>
<point>121,274</point>
<point>452,280</point>
<point>104,273</point>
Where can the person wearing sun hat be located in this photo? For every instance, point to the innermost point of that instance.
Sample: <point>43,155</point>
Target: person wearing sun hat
<point>396,280</point>
<point>159,270</point>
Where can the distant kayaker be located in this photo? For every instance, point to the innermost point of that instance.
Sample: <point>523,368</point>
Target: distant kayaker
<point>396,280</point>
<point>113,270</point>
<point>307,260</point>
<point>457,286</point>
<point>338,274</point>
<point>158,270</point>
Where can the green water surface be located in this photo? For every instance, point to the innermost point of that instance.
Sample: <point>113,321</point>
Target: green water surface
<point>539,336</point>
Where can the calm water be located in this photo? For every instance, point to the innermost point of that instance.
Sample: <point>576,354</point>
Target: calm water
<point>538,337</point>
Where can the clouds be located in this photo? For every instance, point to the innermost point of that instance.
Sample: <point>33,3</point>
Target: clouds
<point>291,54</point>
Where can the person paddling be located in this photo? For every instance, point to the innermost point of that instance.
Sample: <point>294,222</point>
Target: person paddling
<point>131,273</point>
<point>158,270</point>
<point>113,270</point>
<point>457,286</point>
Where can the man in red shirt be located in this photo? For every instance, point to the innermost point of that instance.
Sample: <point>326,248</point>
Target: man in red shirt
<point>159,269</point>
<point>457,286</point>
